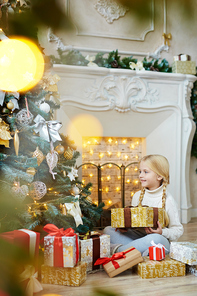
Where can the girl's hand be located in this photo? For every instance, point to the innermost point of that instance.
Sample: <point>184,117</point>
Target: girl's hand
<point>149,230</point>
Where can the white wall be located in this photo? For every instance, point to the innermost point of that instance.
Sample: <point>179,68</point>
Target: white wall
<point>177,22</point>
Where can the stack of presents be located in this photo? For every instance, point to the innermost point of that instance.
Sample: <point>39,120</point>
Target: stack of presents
<point>68,256</point>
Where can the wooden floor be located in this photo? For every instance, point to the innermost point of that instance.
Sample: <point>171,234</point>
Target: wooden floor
<point>128,283</point>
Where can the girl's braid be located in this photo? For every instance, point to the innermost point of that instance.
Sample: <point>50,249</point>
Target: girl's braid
<point>165,183</point>
<point>141,196</point>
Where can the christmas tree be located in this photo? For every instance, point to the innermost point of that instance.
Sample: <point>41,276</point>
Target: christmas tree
<point>39,181</point>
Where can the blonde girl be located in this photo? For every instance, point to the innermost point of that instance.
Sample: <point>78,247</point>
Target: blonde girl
<point>154,178</point>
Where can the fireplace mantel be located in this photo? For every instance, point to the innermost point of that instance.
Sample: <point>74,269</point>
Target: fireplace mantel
<point>130,103</point>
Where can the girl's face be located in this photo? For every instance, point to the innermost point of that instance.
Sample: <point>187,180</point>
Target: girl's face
<point>148,178</point>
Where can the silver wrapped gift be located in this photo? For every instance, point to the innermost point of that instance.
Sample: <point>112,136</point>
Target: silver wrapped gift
<point>185,252</point>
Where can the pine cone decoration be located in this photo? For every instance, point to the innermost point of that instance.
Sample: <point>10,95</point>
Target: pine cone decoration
<point>154,69</point>
<point>114,64</point>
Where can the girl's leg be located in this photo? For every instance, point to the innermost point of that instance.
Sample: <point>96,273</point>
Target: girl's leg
<point>116,237</point>
<point>143,243</point>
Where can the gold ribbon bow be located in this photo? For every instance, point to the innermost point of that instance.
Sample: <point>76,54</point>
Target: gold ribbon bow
<point>167,37</point>
<point>33,285</point>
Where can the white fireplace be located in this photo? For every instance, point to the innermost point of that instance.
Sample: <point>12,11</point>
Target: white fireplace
<point>151,105</point>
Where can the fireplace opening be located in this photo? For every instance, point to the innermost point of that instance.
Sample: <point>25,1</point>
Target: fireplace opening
<point>111,165</point>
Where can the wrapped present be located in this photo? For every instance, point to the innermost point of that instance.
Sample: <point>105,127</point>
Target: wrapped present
<point>184,67</point>
<point>156,251</point>
<point>156,269</point>
<point>65,276</point>
<point>92,247</point>
<point>191,269</point>
<point>120,262</point>
<point>137,217</point>
<point>185,252</point>
<point>25,239</point>
<point>61,247</point>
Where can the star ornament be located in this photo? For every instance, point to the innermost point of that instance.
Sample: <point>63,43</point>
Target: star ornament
<point>73,174</point>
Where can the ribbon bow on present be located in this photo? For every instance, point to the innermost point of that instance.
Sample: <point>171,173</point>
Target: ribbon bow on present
<point>153,251</point>
<point>48,130</point>
<point>113,259</point>
<point>74,210</point>
<point>58,245</point>
<point>33,285</point>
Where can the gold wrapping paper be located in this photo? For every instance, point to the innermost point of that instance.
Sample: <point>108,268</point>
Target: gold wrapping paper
<point>66,276</point>
<point>69,250</point>
<point>184,67</point>
<point>132,258</point>
<point>86,250</point>
<point>140,217</point>
<point>167,267</point>
<point>185,252</point>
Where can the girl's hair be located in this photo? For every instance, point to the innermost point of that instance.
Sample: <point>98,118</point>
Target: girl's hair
<point>160,165</point>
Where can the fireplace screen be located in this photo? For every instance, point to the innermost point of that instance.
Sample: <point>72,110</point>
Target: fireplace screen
<point>111,165</point>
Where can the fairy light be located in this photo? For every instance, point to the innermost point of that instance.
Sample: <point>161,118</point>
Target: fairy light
<point>95,141</point>
<point>106,189</point>
<point>101,178</point>
<point>135,182</point>
<point>128,181</point>
<point>96,203</point>
<point>29,209</point>
<point>109,202</point>
<point>101,155</point>
<point>110,165</point>
<point>137,143</point>
<point>136,156</point>
<point>109,153</point>
<point>90,188</point>
<point>127,169</point>
<point>83,181</point>
<point>116,142</point>
<point>119,177</point>
<point>124,141</point>
<point>91,152</point>
<point>85,167</point>
<point>117,189</point>
<point>91,175</point>
<point>108,178</point>
<point>88,142</point>
<point>132,146</point>
<point>35,201</point>
<point>118,154</point>
<point>132,193</point>
<point>110,140</point>
<point>135,169</point>
<point>84,145</point>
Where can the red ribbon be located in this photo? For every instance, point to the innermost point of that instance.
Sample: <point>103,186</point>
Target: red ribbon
<point>114,257</point>
<point>58,245</point>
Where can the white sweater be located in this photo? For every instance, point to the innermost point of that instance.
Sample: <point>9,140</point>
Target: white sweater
<point>154,199</point>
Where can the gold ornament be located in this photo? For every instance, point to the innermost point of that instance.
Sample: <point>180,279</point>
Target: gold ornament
<point>16,142</point>
<point>59,149</point>
<point>39,155</point>
<point>75,190</point>
<point>68,154</point>
<point>10,105</point>
<point>63,209</point>
<point>88,198</point>
<point>31,171</point>
<point>4,134</point>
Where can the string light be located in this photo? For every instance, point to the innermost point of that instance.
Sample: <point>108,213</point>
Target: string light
<point>91,175</point>
<point>106,189</point>
<point>132,193</point>
<point>110,140</point>
<point>126,157</point>
<point>132,146</point>
<point>127,169</point>
<point>118,154</point>
<point>91,152</point>
<point>109,153</point>
<point>119,177</point>
<point>109,202</point>
<point>108,178</point>
<point>136,156</point>
<point>128,181</point>
<point>136,169</point>
<point>101,155</point>
<point>124,141</point>
<point>135,182</point>
<point>117,188</point>
<point>110,165</point>
<point>88,142</point>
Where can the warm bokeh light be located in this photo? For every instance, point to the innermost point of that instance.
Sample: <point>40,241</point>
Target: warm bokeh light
<point>21,64</point>
<point>84,125</point>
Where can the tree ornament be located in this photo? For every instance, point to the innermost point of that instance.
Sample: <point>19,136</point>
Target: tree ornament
<point>52,160</point>
<point>39,155</point>
<point>24,117</point>
<point>38,190</point>
<point>60,149</point>
<point>75,190</point>
<point>88,198</point>
<point>31,171</point>
<point>20,192</point>
<point>45,107</point>
<point>5,110</point>
<point>4,134</point>
<point>73,174</point>
<point>10,105</point>
<point>68,154</point>
<point>16,142</point>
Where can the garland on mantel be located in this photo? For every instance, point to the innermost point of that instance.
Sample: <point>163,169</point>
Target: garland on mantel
<point>113,60</point>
